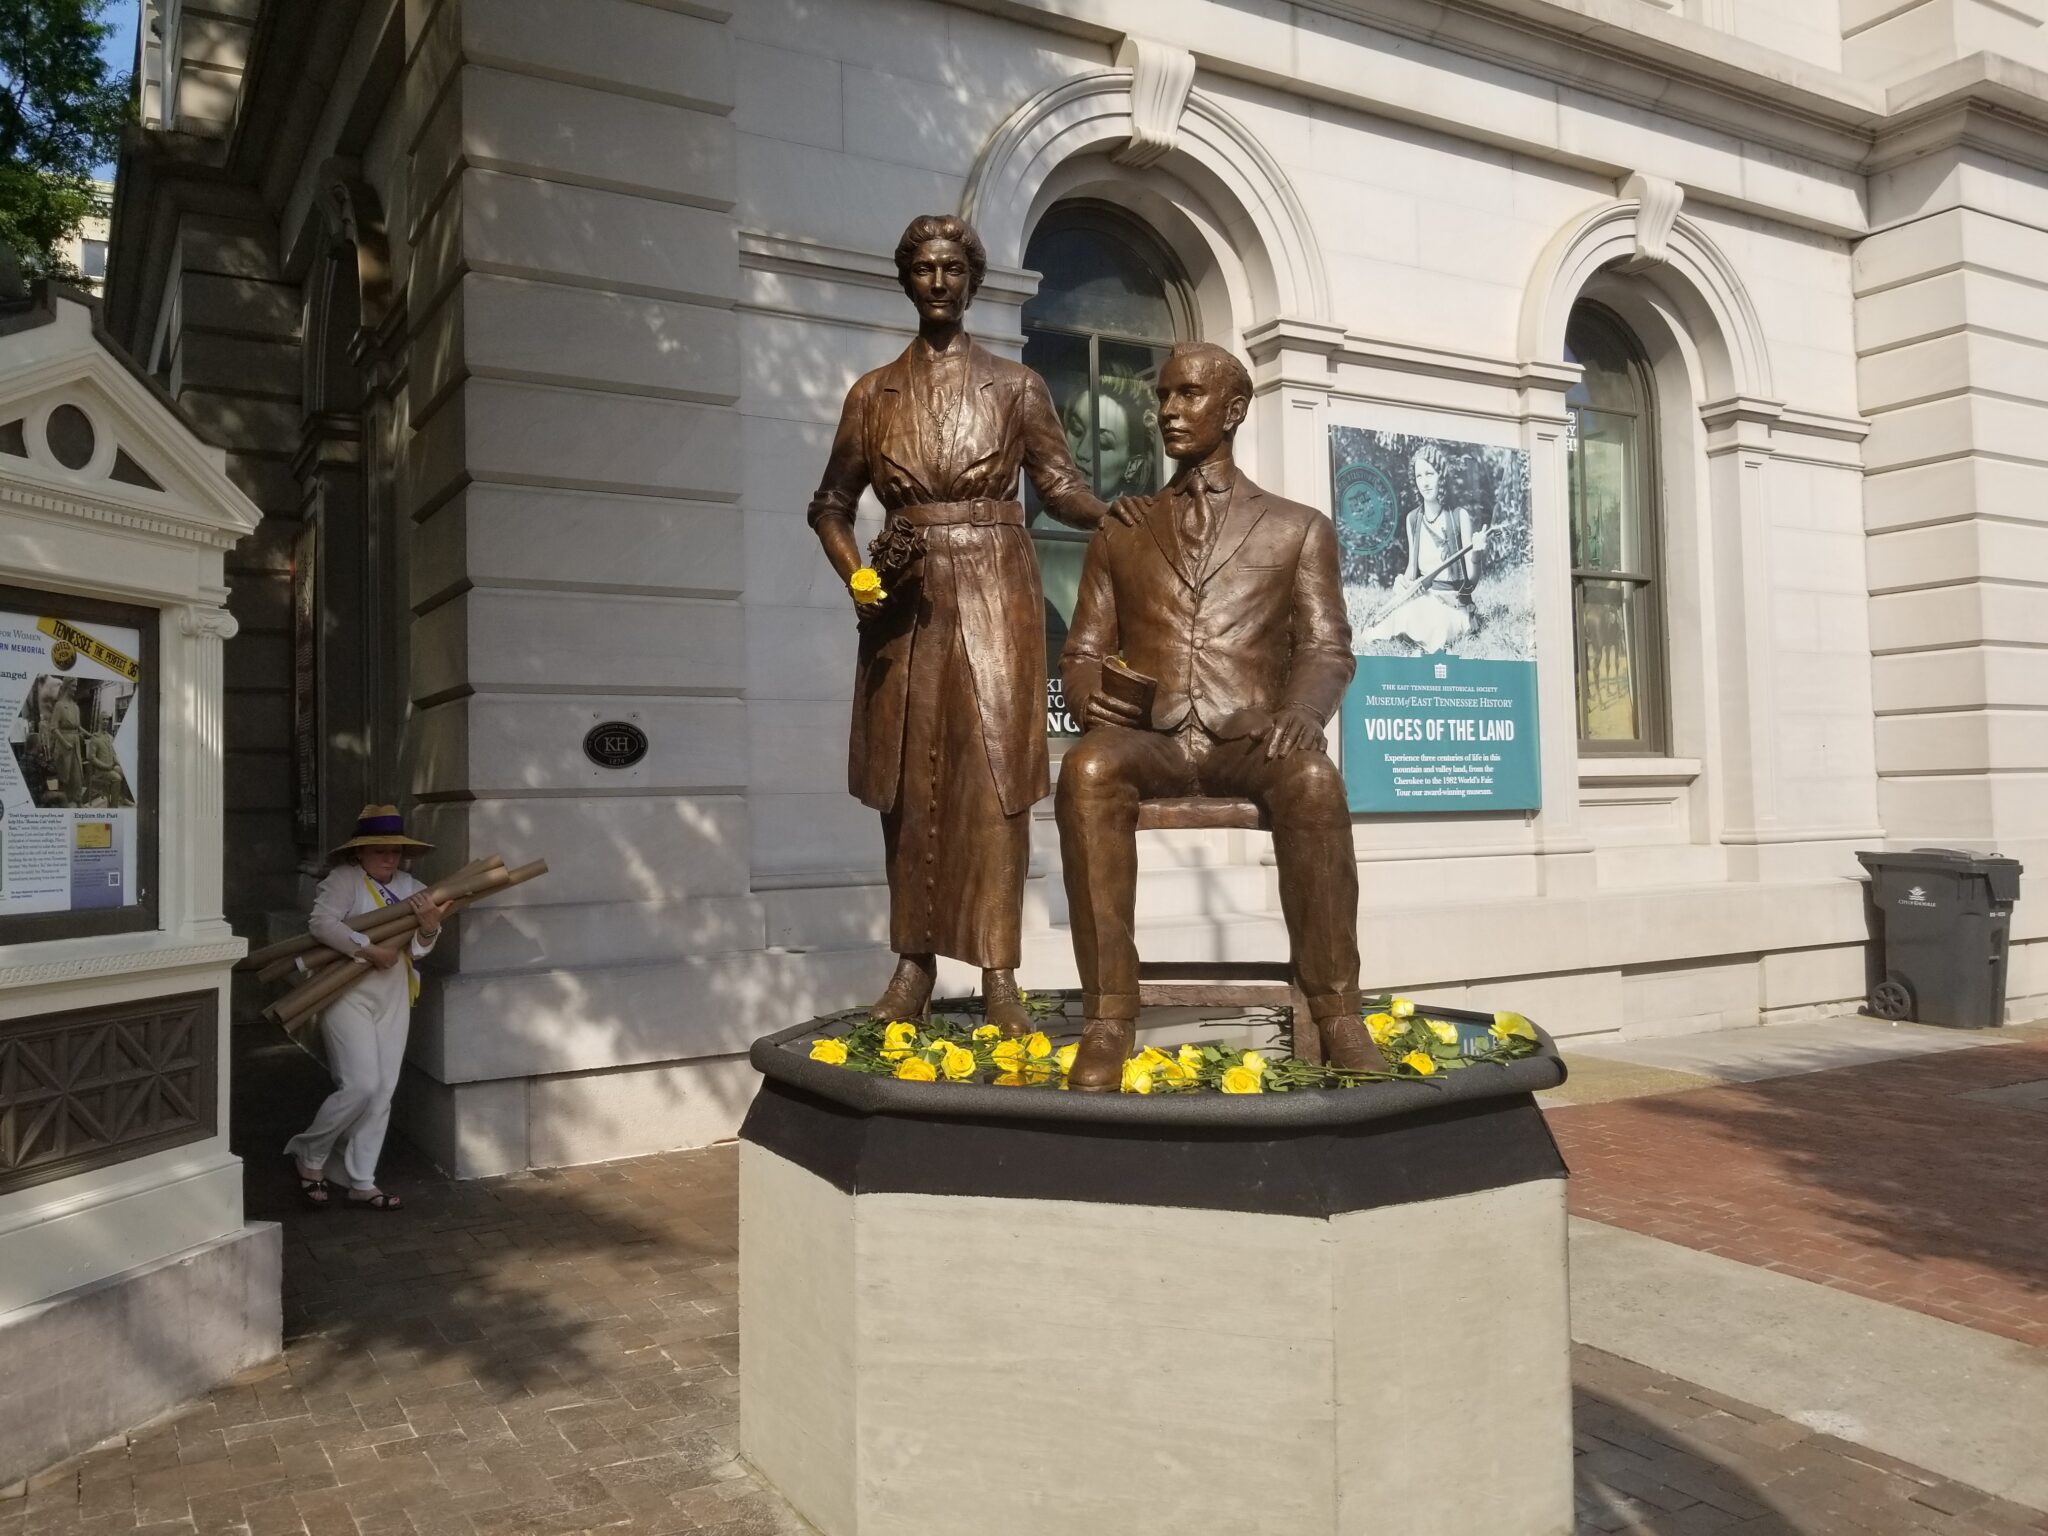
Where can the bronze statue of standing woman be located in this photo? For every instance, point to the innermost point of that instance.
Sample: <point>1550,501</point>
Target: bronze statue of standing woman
<point>948,737</point>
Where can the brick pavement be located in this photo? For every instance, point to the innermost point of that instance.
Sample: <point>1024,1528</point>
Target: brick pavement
<point>1881,1180</point>
<point>556,1352</point>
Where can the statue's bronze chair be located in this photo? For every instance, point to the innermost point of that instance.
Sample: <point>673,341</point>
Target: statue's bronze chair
<point>1221,983</point>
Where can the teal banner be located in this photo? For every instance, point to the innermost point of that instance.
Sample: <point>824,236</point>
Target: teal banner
<point>1440,733</point>
<point>1436,554</point>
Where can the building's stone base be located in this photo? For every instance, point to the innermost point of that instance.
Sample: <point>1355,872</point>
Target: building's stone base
<point>923,1365</point>
<point>107,1356</point>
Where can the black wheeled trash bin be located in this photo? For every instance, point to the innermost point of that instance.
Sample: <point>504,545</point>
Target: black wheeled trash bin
<point>1942,916</point>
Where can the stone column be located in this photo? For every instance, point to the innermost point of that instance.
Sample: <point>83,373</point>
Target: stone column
<point>192,826</point>
<point>572,478</point>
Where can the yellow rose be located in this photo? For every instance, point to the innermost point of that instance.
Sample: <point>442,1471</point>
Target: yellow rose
<point>987,1032</point>
<point>899,1037</point>
<point>1009,1054</point>
<point>1401,1008</point>
<point>1243,1080</point>
<point>1065,1057</point>
<point>1443,1030</point>
<point>866,586</point>
<point>957,1063</point>
<point>1254,1061</point>
<point>915,1069</point>
<point>1512,1026</point>
<point>1382,1027</point>
<point>1191,1058</point>
<point>1008,1079</point>
<point>1153,1058</point>
<point>1137,1077</point>
<point>832,1052</point>
<point>1036,1046</point>
<point>1420,1062</point>
<point>1177,1073</point>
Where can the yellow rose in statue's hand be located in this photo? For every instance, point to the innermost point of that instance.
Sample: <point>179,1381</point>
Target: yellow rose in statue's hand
<point>1137,1077</point>
<point>866,586</point>
<point>1065,1057</point>
<point>1242,1079</point>
<point>915,1069</point>
<point>1382,1027</point>
<point>1401,1008</point>
<point>1036,1046</point>
<point>987,1032</point>
<point>1419,1062</point>
<point>1512,1026</point>
<point>957,1063</point>
<point>1443,1030</point>
<point>831,1052</point>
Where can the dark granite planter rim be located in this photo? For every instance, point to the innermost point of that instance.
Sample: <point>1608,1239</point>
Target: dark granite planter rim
<point>784,1056</point>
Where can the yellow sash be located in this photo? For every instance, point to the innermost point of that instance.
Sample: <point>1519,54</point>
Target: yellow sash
<point>412,977</point>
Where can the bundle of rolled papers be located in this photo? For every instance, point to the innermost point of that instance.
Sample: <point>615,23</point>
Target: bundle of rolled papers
<point>324,976</point>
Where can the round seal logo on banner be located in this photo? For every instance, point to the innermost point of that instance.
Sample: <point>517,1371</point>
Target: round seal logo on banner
<point>62,656</point>
<point>615,744</point>
<point>1366,507</point>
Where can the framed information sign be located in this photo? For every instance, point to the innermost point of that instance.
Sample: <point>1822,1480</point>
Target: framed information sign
<point>1434,543</point>
<point>78,690</point>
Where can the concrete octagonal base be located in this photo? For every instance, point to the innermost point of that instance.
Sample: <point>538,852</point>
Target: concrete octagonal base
<point>1037,1328</point>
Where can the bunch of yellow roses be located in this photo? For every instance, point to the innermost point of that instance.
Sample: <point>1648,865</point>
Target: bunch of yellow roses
<point>943,1050</point>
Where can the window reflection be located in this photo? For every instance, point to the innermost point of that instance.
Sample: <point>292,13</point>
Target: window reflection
<point>1098,331</point>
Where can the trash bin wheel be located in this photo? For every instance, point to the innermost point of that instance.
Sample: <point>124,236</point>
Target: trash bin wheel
<point>1891,999</point>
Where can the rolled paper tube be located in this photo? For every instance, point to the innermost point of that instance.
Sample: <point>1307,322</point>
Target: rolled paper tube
<point>319,957</point>
<point>442,890</point>
<point>332,980</point>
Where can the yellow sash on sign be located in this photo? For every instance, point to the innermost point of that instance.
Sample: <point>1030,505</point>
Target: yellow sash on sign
<point>412,977</point>
<point>92,648</point>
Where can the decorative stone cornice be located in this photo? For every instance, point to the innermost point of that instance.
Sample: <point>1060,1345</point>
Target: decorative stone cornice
<point>1161,78</point>
<point>121,963</point>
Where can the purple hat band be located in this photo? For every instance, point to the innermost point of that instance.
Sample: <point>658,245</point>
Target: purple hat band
<point>371,826</point>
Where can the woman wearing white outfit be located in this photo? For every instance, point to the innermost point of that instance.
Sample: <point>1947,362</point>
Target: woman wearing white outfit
<point>366,1026</point>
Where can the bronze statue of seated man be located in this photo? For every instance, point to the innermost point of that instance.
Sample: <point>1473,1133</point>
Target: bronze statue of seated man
<point>1208,649</point>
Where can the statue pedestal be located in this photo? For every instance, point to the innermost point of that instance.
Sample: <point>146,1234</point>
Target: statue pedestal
<point>1010,1311</point>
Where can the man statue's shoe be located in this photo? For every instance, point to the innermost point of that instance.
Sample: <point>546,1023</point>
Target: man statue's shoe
<point>1002,1005</point>
<point>1347,1044</point>
<point>908,996</point>
<point>1105,1047</point>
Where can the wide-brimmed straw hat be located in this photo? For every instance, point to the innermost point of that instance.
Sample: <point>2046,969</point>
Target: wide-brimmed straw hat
<point>380,826</point>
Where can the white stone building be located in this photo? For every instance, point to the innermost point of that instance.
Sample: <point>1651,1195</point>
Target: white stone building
<point>527,322</point>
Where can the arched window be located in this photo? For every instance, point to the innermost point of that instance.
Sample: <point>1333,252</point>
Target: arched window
<point>1617,596</point>
<point>1110,304</point>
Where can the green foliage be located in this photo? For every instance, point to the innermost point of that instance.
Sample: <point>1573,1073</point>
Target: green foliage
<point>60,116</point>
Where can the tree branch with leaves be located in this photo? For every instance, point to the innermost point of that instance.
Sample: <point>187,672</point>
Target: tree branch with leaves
<point>61,115</point>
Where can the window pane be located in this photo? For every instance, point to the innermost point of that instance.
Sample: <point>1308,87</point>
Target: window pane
<point>1606,486</point>
<point>1059,563</point>
<point>1062,361</point>
<point>1126,457</point>
<point>1093,281</point>
<point>1610,381</point>
<point>1607,620</point>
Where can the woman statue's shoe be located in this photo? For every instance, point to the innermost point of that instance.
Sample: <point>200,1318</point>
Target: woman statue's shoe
<point>1099,1063</point>
<point>1003,1006</point>
<point>1347,1044</point>
<point>908,997</point>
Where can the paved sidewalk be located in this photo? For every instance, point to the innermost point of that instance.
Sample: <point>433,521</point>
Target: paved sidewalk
<point>553,1353</point>
<point>1916,1181</point>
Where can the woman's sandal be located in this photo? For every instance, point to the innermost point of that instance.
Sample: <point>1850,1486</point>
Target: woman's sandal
<point>376,1201</point>
<point>312,1192</point>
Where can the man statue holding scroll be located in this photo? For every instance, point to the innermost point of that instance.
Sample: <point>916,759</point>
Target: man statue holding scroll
<point>1209,647</point>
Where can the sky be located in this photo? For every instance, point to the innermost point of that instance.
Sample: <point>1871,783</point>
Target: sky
<point>119,51</point>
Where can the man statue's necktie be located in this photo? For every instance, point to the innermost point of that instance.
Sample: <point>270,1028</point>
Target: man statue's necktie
<point>1195,519</point>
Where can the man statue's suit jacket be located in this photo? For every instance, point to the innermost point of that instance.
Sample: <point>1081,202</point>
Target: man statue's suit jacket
<point>1255,624</point>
